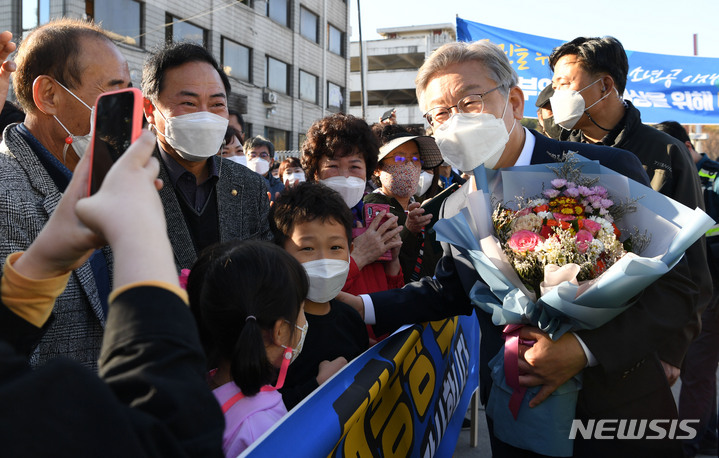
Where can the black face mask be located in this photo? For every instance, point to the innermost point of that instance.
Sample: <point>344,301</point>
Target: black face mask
<point>551,130</point>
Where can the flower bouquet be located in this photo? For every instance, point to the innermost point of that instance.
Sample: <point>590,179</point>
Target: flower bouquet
<point>567,232</point>
<point>560,260</point>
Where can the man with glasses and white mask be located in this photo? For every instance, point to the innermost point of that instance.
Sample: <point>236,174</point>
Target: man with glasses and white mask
<point>471,99</point>
<point>260,155</point>
<point>207,199</point>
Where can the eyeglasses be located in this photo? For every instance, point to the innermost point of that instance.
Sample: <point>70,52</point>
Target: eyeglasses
<point>263,155</point>
<point>403,159</point>
<point>472,103</point>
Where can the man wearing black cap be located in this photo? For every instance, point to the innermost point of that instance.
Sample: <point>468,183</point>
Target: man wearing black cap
<point>545,117</point>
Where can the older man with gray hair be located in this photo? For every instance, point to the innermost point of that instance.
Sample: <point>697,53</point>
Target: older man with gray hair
<point>62,67</point>
<point>471,98</point>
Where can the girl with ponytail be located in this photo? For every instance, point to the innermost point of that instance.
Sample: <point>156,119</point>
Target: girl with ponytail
<point>247,300</point>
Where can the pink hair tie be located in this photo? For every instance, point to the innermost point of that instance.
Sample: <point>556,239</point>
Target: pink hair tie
<point>184,275</point>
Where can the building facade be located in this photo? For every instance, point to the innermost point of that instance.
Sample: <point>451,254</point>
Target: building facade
<point>390,67</point>
<point>287,59</point>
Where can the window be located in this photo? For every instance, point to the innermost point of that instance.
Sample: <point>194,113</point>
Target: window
<point>123,17</point>
<point>279,138</point>
<point>184,31</point>
<point>34,13</point>
<point>246,2</point>
<point>335,99</point>
<point>300,140</point>
<point>308,24</point>
<point>277,75</point>
<point>308,87</point>
<point>236,60</point>
<point>278,11</point>
<point>335,40</point>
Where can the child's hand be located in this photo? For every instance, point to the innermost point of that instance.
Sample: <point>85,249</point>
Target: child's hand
<point>329,368</point>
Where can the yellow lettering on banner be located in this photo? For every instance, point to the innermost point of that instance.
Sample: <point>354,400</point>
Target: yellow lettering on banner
<point>356,441</point>
<point>404,353</point>
<point>383,407</point>
<point>541,58</point>
<point>397,436</point>
<point>444,338</point>
<point>421,383</point>
<point>411,357</point>
<point>358,416</point>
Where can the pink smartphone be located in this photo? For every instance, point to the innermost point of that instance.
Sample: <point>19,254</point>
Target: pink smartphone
<point>370,212</point>
<point>118,123</point>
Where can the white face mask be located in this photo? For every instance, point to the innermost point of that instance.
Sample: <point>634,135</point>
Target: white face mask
<point>568,106</point>
<point>238,159</point>
<point>258,165</point>
<point>298,348</point>
<point>79,142</point>
<point>291,177</point>
<point>350,188</point>
<point>195,136</point>
<point>327,277</point>
<point>425,181</point>
<point>468,140</point>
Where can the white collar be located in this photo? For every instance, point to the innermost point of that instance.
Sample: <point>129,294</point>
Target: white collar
<point>525,157</point>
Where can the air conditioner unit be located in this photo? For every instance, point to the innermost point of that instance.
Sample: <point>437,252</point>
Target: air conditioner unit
<point>269,97</point>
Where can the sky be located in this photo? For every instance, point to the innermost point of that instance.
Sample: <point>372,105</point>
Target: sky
<point>655,26</point>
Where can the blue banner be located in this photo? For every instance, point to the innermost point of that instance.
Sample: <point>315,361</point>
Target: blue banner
<point>663,87</point>
<point>406,396</point>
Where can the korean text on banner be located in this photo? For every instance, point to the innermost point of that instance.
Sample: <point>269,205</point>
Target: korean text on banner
<point>661,86</point>
<point>406,396</point>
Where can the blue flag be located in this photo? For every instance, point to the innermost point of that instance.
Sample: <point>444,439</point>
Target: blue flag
<point>663,87</point>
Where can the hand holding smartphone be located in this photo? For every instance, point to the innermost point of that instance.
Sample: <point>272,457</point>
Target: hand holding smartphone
<point>117,124</point>
<point>387,114</point>
<point>370,212</point>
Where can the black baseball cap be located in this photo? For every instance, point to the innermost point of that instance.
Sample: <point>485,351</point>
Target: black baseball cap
<point>543,97</point>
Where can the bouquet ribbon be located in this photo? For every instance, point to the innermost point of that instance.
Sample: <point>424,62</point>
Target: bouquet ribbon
<point>511,366</point>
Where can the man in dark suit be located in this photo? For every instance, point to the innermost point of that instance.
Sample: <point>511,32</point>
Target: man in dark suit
<point>207,199</point>
<point>623,377</point>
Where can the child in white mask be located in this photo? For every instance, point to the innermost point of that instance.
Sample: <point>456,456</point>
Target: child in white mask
<point>314,225</point>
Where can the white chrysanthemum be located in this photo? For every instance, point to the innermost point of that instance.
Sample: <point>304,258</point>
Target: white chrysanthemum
<point>596,247</point>
<point>606,225</point>
<point>545,215</point>
<point>530,222</point>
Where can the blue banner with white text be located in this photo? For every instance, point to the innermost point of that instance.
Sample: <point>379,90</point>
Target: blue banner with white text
<point>405,396</point>
<point>663,87</point>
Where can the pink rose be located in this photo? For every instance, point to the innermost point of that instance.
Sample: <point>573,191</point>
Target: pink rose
<point>592,226</point>
<point>583,240</point>
<point>524,240</point>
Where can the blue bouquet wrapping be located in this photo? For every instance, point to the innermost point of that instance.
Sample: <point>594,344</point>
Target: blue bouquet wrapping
<point>567,306</point>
